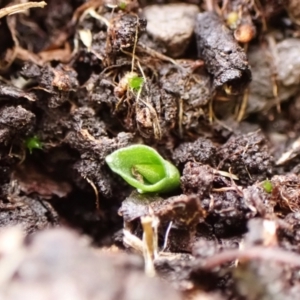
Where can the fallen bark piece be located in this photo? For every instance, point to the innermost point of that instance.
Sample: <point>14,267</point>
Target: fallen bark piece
<point>223,57</point>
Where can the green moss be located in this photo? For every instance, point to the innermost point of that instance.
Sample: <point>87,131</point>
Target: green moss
<point>135,83</point>
<point>33,142</point>
<point>122,5</point>
<point>268,186</point>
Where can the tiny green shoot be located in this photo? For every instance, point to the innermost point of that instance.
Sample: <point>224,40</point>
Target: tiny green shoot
<point>143,168</point>
<point>33,142</point>
<point>122,5</point>
<point>135,83</point>
<point>268,186</point>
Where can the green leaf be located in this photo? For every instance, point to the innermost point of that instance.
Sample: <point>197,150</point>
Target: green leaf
<point>143,168</point>
<point>135,83</point>
<point>152,173</point>
<point>33,143</point>
<point>122,5</point>
<point>268,186</point>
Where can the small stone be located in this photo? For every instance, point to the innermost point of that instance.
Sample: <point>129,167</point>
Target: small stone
<point>172,25</point>
<point>286,65</point>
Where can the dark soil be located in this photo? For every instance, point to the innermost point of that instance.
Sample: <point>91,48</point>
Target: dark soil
<point>220,100</point>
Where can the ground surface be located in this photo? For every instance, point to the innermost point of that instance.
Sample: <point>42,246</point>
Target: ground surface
<point>219,99</point>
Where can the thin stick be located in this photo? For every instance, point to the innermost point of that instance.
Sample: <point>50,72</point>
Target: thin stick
<point>96,193</point>
<point>14,9</point>
<point>143,48</point>
<point>85,6</point>
<point>149,225</point>
<point>143,73</point>
<point>96,16</point>
<point>132,241</point>
<point>259,253</point>
<point>167,236</point>
<point>243,107</point>
<point>134,45</point>
<point>180,117</point>
<point>274,56</point>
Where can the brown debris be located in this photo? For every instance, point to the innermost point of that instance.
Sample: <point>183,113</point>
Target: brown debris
<point>12,92</point>
<point>122,32</point>
<point>31,180</point>
<point>197,179</point>
<point>225,60</point>
<point>66,78</point>
<point>31,214</point>
<point>286,191</point>
<point>239,154</point>
<point>14,9</point>
<point>253,253</point>
<point>184,211</point>
<point>74,269</point>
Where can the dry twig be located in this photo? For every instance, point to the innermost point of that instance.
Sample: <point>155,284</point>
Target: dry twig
<point>259,253</point>
<point>14,9</point>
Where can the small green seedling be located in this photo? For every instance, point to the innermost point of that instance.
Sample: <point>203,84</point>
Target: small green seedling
<point>143,168</point>
<point>33,142</point>
<point>135,83</point>
<point>268,186</point>
<point>122,5</point>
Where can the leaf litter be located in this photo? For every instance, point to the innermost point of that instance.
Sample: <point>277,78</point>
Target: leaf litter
<point>220,100</point>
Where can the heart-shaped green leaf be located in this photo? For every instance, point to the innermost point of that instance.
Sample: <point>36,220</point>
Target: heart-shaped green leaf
<point>143,168</point>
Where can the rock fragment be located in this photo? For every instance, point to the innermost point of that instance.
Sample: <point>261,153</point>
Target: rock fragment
<point>172,25</point>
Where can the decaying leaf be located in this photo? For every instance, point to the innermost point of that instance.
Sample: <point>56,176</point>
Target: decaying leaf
<point>32,180</point>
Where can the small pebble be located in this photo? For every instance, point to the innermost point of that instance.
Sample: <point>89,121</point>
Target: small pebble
<point>172,25</point>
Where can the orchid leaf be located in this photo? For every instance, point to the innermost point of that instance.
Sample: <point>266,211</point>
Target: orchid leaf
<point>143,168</point>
